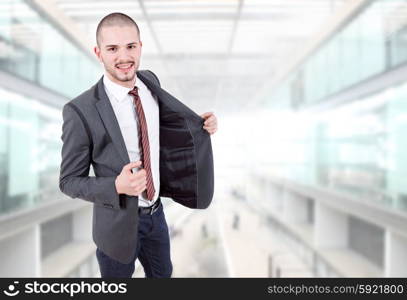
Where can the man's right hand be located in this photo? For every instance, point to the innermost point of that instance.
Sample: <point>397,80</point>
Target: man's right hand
<point>129,183</point>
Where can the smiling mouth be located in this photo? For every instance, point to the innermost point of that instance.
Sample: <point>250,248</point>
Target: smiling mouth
<point>124,67</point>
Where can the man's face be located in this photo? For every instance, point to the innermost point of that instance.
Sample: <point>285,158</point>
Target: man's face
<point>119,50</point>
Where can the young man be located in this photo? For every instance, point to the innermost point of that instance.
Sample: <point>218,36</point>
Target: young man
<point>142,144</point>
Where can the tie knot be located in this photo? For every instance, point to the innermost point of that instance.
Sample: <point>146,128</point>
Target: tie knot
<point>134,91</point>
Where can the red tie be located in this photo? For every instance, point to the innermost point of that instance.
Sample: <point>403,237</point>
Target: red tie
<point>143,142</point>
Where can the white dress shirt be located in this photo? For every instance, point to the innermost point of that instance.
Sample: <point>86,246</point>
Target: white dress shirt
<point>125,112</point>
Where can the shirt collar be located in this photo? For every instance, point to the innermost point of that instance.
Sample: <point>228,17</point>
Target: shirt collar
<point>118,92</point>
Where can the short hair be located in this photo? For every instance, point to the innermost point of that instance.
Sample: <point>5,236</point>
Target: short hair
<point>115,19</point>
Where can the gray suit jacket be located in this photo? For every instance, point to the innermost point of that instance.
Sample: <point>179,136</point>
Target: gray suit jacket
<point>91,136</point>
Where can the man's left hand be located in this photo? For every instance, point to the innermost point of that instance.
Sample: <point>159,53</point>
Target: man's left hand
<point>211,123</point>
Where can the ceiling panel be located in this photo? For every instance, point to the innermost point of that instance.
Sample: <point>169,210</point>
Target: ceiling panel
<point>213,53</point>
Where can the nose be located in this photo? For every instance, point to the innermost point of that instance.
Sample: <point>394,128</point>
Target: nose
<point>123,55</point>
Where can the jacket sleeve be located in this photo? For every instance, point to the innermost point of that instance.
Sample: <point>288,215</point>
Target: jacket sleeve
<point>74,179</point>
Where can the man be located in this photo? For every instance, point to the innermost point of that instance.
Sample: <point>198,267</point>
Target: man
<point>142,144</point>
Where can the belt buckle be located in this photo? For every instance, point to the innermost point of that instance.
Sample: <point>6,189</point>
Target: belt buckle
<point>154,207</point>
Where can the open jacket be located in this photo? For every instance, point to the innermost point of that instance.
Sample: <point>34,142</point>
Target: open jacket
<point>91,136</point>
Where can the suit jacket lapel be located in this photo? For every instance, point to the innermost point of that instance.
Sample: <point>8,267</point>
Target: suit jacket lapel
<point>108,116</point>
<point>109,120</point>
<point>164,98</point>
<point>154,88</point>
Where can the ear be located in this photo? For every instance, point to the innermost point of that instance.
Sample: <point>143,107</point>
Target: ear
<point>97,52</point>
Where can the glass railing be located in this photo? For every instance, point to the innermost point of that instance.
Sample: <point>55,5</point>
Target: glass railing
<point>371,43</point>
<point>358,149</point>
<point>29,152</point>
<point>32,48</point>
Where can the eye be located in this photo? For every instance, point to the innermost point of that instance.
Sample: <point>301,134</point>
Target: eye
<point>111,49</point>
<point>132,46</point>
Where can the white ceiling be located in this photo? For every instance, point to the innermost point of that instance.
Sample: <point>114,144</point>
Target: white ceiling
<point>213,54</point>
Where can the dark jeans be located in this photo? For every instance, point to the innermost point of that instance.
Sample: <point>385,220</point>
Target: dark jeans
<point>153,250</point>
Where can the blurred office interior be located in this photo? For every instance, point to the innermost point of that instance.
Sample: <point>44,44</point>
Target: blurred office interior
<point>310,155</point>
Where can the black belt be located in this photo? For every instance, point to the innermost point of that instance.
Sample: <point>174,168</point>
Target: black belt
<point>150,209</point>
